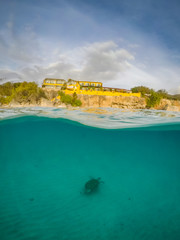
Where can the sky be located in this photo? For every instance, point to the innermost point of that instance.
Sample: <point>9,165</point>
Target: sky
<point>122,43</point>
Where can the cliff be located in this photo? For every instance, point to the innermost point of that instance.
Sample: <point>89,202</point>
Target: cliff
<point>121,102</point>
<point>112,101</point>
<point>168,105</point>
<point>126,102</point>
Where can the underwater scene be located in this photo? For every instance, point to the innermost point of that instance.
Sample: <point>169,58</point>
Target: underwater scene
<point>94,174</point>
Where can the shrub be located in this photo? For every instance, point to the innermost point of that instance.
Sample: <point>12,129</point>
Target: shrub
<point>6,89</point>
<point>26,92</point>
<point>64,86</point>
<point>77,103</point>
<point>153,100</point>
<point>175,97</point>
<point>20,92</point>
<point>68,99</point>
<point>163,93</point>
<point>5,100</point>
<point>142,89</point>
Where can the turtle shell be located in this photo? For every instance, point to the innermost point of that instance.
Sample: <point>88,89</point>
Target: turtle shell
<point>92,185</point>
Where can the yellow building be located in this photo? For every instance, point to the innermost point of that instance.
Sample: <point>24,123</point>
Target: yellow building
<point>72,85</point>
<point>86,88</point>
<point>89,84</point>
<point>82,85</point>
<point>51,83</point>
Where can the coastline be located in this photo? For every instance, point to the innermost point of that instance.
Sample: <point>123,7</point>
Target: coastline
<point>94,101</point>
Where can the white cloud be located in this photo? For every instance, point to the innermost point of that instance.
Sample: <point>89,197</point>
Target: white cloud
<point>19,49</point>
<point>9,75</point>
<point>178,90</point>
<point>103,61</point>
<point>100,61</point>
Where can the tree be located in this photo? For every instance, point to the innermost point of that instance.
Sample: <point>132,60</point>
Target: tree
<point>20,92</point>
<point>64,86</point>
<point>27,92</point>
<point>6,89</point>
<point>163,93</point>
<point>142,89</point>
<point>68,99</point>
<point>153,100</point>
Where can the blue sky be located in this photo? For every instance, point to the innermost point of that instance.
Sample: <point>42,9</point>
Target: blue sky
<point>122,43</point>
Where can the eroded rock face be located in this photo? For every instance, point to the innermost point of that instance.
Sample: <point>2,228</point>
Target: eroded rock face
<point>112,101</point>
<point>45,103</point>
<point>96,101</point>
<point>48,103</point>
<point>168,105</point>
<point>15,104</point>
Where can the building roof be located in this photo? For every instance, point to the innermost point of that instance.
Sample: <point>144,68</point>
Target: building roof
<point>116,88</point>
<point>90,82</point>
<point>54,79</point>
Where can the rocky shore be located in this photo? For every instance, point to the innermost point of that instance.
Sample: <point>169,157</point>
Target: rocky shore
<point>121,102</point>
<point>126,102</point>
<point>112,101</point>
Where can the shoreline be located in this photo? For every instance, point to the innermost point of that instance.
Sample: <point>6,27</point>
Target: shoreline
<point>92,109</point>
<point>97,102</point>
<point>106,118</point>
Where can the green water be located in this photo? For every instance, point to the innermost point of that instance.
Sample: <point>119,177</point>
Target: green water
<point>44,164</point>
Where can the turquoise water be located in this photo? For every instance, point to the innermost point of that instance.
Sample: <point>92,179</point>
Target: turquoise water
<point>45,162</point>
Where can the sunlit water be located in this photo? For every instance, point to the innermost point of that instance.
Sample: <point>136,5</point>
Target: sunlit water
<point>46,159</point>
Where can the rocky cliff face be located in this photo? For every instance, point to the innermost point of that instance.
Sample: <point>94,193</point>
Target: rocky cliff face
<point>112,101</point>
<point>126,102</point>
<point>169,105</point>
<point>104,101</point>
<point>43,102</point>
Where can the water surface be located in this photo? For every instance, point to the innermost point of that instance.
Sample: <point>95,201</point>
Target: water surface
<point>45,162</point>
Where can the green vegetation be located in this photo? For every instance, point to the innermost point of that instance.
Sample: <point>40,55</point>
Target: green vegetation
<point>68,99</point>
<point>164,94</point>
<point>176,97</point>
<point>6,91</point>
<point>64,86</point>
<point>24,92</point>
<point>142,89</point>
<point>153,97</point>
<point>29,92</point>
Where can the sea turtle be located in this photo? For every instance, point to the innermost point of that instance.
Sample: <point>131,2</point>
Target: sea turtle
<point>92,185</point>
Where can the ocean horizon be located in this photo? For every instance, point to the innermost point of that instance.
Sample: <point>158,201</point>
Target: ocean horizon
<point>47,156</point>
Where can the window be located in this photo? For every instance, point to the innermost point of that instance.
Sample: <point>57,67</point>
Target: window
<point>50,81</point>
<point>60,81</point>
<point>71,82</point>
